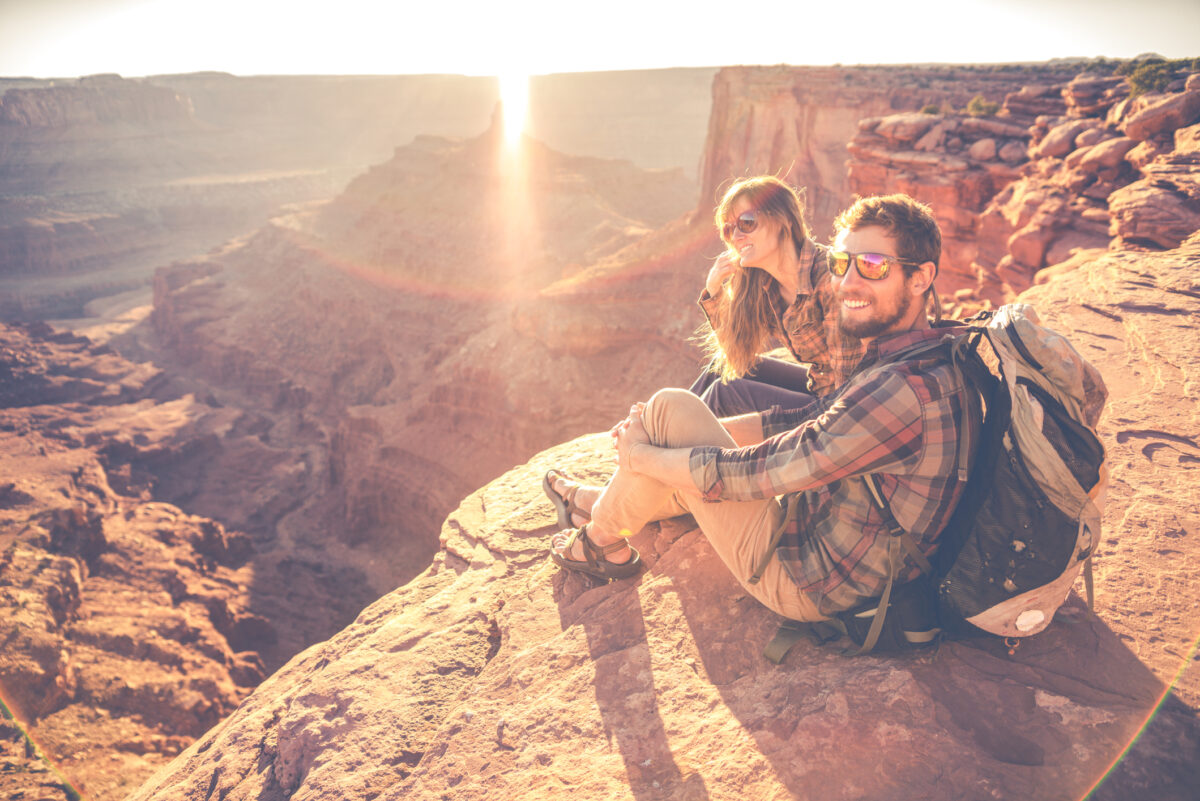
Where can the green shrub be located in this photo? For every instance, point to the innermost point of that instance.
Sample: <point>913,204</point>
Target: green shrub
<point>1154,74</point>
<point>932,108</point>
<point>982,107</point>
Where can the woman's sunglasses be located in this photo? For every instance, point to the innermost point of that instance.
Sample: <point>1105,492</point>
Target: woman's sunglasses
<point>871,266</point>
<point>746,222</point>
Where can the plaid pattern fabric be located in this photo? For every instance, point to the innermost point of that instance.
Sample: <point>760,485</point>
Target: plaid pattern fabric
<point>803,326</point>
<point>901,420</point>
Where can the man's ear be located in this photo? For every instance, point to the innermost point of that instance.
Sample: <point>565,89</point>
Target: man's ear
<point>922,278</point>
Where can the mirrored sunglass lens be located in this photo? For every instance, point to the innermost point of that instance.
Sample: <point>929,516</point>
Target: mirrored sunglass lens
<point>727,230</point>
<point>838,262</point>
<point>872,265</point>
<point>747,222</point>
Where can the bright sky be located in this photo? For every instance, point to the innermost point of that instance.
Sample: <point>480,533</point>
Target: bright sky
<point>62,38</point>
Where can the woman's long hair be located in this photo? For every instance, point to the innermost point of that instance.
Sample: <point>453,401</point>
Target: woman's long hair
<point>745,321</point>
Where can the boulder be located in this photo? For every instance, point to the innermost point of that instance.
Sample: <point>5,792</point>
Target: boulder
<point>1012,152</point>
<point>933,139</point>
<point>1061,139</point>
<point>1076,157</point>
<point>1155,212</point>
<point>983,150</point>
<point>1107,154</point>
<point>905,128</point>
<point>1164,116</point>
<point>1092,136</point>
<point>1143,153</point>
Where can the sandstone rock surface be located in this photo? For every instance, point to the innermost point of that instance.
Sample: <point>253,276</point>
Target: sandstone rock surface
<point>493,675</point>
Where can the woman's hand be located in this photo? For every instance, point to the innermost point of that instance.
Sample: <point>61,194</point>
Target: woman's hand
<point>628,433</point>
<point>722,268</point>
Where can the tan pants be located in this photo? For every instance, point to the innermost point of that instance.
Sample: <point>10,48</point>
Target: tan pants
<point>739,532</point>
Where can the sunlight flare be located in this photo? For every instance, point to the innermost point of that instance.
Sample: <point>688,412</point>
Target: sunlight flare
<point>514,99</point>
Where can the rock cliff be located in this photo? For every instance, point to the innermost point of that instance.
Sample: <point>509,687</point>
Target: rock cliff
<point>130,626</point>
<point>794,122</point>
<point>334,385</point>
<point>434,345</point>
<point>494,675</point>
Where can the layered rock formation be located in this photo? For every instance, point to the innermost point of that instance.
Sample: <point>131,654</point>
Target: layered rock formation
<point>1016,194</point>
<point>493,675</point>
<point>129,626</point>
<point>395,316</point>
<point>954,162</point>
<point>340,380</point>
<point>794,122</point>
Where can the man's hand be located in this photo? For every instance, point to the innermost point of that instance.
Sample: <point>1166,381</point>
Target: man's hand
<point>629,432</point>
<point>722,268</point>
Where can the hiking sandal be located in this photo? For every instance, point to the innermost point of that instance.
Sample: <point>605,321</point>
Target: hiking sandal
<point>565,503</point>
<point>594,563</point>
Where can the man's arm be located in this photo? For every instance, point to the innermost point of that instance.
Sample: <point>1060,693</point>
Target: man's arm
<point>668,465</point>
<point>875,426</point>
<point>746,429</point>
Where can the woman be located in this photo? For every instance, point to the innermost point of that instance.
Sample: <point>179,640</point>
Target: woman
<point>770,286</point>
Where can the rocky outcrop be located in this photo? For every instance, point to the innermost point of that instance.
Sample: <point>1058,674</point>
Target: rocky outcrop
<point>954,162</point>
<point>794,122</point>
<point>1012,201</point>
<point>494,675</point>
<point>1091,181</point>
<point>130,626</point>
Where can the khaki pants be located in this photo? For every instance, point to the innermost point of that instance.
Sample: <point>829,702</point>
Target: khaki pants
<point>739,532</point>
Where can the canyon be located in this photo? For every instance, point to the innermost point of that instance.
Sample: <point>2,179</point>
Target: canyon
<point>361,394</point>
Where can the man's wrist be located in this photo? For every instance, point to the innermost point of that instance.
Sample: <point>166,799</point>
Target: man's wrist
<point>632,450</point>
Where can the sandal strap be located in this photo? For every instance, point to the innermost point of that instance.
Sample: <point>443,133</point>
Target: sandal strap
<point>600,550</point>
<point>573,487</point>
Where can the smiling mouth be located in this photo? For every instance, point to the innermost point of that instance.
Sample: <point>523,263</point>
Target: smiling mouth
<point>856,304</point>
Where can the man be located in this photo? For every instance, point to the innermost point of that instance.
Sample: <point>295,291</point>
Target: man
<point>796,477</point>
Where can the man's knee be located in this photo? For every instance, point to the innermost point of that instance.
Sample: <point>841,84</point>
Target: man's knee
<point>666,404</point>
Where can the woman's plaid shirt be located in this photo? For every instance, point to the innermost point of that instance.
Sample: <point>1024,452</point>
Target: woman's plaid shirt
<point>901,420</point>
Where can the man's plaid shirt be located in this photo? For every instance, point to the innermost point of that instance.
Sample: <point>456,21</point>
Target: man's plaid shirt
<point>803,326</point>
<point>901,420</point>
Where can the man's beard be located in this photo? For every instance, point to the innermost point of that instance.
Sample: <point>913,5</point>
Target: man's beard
<point>876,324</point>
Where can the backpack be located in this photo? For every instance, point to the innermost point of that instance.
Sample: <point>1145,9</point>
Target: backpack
<point>1028,519</point>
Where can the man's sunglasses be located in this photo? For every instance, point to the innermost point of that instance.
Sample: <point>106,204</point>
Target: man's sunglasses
<point>871,266</point>
<point>746,222</point>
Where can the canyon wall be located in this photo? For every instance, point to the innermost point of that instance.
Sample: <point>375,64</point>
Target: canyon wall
<point>328,388</point>
<point>129,626</point>
<point>794,122</point>
<point>103,179</point>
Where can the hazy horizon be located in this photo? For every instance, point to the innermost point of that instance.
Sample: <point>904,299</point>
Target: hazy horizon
<point>137,38</point>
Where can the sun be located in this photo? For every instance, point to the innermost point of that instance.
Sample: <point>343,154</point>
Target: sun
<point>514,98</point>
